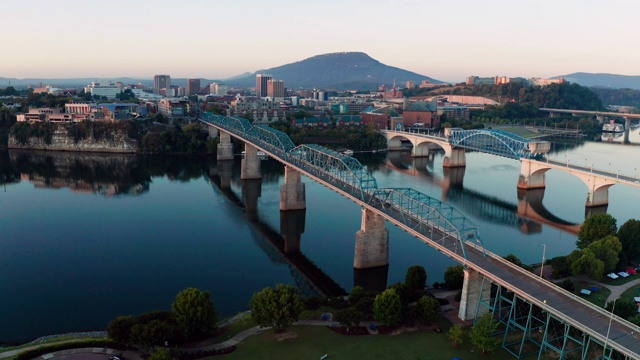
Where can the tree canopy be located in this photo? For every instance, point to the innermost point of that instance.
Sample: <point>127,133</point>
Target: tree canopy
<point>416,278</point>
<point>428,309</point>
<point>277,308</point>
<point>595,228</point>
<point>387,307</point>
<point>629,236</point>
<point>195,313</point>
<point>481,333</point>
<point>454,277</point>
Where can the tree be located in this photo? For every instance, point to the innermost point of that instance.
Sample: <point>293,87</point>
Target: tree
<point>195,313</point>
<point>428,309</point>
<point>481,333</point>
<point>349,317</point>
<point>454,277</point>
<point>119,329</point>
<point>629,236</point>
<point>607,250</point>
<point>277,308</point>
<point>387,307</point>
<point>357,294</point>
<point>416,278</point>
<point>595,228</point>
<point>516,260</point>
<point>456,335</point>
<point>625,308</point>
<point>584,262</point>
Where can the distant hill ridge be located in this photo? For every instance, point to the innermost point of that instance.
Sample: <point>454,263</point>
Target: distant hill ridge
<point>604,80</point>
<point>337,71</point>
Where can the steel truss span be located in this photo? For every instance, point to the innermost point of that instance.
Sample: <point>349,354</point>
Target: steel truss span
<point>498,142</point>
<point>419,212</point>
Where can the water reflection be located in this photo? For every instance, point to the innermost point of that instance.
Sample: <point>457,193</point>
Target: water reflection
<point>527,215</point>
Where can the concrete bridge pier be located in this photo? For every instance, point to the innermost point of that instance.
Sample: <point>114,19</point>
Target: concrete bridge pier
<point>453,178</point>
<point>372,242</point>
<point>420,150</point>
<point>598,194</point>
<point>213,132</point>
<point>225,147</point>
<point>454,158</point>
<point>291,227</point>
<point>292,192</point>
<point>600,119</point>
<point>250,166</point>
<point>394,144</point>
<point>251,191</point>
<point>531,175</point>
<point>475,288</point>
<point>627,126</point>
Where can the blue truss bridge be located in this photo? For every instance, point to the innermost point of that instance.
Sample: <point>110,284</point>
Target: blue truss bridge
<point>538,318</point>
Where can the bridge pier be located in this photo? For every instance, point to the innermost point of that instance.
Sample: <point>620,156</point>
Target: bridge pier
<point>531,175</point>
<point>250,166</point>
<point>476,288</point>
<point>454,158</point>
<point>372,242</point>
<point>225,147</point>
<point>600,118</point>
<point>213,132</point>
<point>597,195</point>
<point>420,150</point>
<point>292,192</point>
<point>291,227</point>
<point>627,126</point>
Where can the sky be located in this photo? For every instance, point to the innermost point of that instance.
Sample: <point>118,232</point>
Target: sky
<point>448,40</point>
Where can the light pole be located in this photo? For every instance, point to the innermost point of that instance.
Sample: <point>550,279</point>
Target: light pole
<point>544,252</point>
<point>606,341</point>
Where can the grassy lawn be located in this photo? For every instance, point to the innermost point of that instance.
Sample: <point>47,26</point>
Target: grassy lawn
<point>243,323</point>
<point>597,298</point>
<point>311,342</point>
<point>515,130</point>
<point>630,293</point>
<point>620,280</point>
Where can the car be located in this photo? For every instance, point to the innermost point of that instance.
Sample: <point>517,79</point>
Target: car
<point>116,357</point>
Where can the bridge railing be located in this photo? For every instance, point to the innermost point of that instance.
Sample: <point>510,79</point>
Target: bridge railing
<point>590,169</point>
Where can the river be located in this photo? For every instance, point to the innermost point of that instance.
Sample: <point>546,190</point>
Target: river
<point>87,237</point>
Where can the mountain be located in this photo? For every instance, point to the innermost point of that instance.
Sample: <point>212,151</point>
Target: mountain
<point>336,71</point>
<point>604,80</point>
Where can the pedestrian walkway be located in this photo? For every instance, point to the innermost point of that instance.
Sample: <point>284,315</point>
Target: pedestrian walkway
<point>616,290</point>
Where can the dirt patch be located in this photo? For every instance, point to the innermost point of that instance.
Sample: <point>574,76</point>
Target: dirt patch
<point>285,336</point>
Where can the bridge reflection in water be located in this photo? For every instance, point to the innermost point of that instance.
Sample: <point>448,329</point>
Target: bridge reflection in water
<point>281,247</point>
<point>527,215</point>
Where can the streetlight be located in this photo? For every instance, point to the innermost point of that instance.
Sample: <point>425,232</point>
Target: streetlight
<point>609,328</point>
<point>544,251</point>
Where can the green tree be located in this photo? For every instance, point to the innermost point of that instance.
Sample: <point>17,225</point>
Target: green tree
<point>625,308</point>
<point>607,250</point>
<point>277,308</point>
<point>516,260</point>
<point>481,333</point>
<point>162,354</point>
<point>349,317</point>
<point>416,278</point>
<point>584,262</point>
<point>456,335</point>
<point>387,307</point>
<point>454,277</point>
<point>119,329</point>
<point>595,228</point>
<point>629,236</point>
<point>357,294</point>
<point>195,313</point>
<point>428,309</point>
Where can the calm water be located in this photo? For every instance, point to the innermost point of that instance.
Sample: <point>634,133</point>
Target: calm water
<point>85,238</point>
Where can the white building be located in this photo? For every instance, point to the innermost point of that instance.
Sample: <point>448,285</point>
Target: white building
<point>108,89</point>
<point>218,89</point>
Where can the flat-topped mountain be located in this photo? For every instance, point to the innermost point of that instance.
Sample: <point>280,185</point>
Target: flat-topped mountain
<point>338,71</point>
<point>604,80</point>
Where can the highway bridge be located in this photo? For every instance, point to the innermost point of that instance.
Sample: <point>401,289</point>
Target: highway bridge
<point>538,316</point>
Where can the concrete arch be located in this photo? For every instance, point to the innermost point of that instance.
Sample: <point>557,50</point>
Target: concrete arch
<point>532,176</point>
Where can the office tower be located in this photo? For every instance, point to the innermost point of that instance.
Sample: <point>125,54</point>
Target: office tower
<point>161,82</point>
<point>261,84</point>
<point>275,88</point>
<point>193,86</point>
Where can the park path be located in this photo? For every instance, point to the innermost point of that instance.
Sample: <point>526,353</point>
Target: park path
<point>616,290</point>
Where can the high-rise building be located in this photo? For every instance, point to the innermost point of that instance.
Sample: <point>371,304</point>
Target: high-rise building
<point>218,89</point>
<point>107,89</point>
<point>161,82</point>
<point>275,88</point>
<point>261,84</point>
<point>193,86</point>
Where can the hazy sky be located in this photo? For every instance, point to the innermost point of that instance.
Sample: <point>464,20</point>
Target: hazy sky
<point>447,40</point>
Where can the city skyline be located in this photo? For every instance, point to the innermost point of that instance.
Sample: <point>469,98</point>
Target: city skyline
<point>193,39</point>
